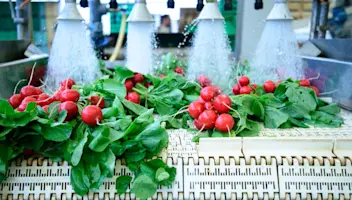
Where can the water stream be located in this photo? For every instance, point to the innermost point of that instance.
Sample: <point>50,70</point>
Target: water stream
<point>277,54</point>
<point>211,53</point>
<point>140,46</point>
<point>71,56</point>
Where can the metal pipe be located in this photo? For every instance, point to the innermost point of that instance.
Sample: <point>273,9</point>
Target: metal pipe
<point>13,16</point>
<point>97,10</point>
<point>20,20</point>
<point>314,19</point>
<point>323,19</point>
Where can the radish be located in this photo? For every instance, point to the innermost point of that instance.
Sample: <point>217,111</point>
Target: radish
<point>217,90</point>
<point>236,89</point>
<point>38,91</point>
<point>46,109</point>
<point>67,83</point>
<point>204,81</point>
<point>197,124</point>
<point>316,90</point>
<point>71,108</point>
<point>208,105</point>
<point>179,70</point>
<point>243,81</point>
<point>69,95</point>
<point>200,100</point>
<point>133,97</point>
<point>96,99</point>
<point>245,90</point>
<point>148,84</point>
<point>254,86</point>
<point>15,100</point>
<point>195,108</point>
<point>224,122</point>
<point>304,83</point>
<point>44,99</point>
<point>92,115</point>
<point>129,85</point>
<point>269,86</point>
<point>25,102</point>
<point>207,93</point>
<point>208,118</point>
<point>27,91</point>
<point>222,103</point>
<point>138,78</point>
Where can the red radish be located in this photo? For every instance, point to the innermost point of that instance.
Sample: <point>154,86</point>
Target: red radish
<point>95,100</point>
<point>15,100</point>
<point>236,89</point>
<point>222,103</point>
<point>46,109</point>
<point>243,81</point>
<point>224,122</point>
<point>197,124</point>
<point>38,91</point>
<point>133,97</point>
<point>148,84</point>
<point>304,83</point>
<point>208,93</point>
<point>204,81</point>
<point>67,83</point>
<point>217,90</point>
<point>27,91</point>
<point>316,90</point>
<point>245,90</point>
<point>200,100</point>
<point>44,99</point>
<point>25,102</point>
<point>269,86</point>
<point>195,108</point>
<point>69,95</point>
<point>208,105</point>
<point>208,118</point>
<point>138,78</point>
<point>71,108</point>
<point>179,70</point>
<point>92,115</point>
<point>27,152</point>
<point>129,85</point>
<point>162,76</point>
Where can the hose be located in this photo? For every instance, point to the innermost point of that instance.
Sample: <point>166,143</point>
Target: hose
<point>119,39</point>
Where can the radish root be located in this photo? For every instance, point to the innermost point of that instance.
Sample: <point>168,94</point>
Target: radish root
<point>32,73</point>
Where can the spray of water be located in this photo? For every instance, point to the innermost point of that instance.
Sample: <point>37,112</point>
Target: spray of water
<point>277,54</point>
<point>210,53</point>
<point>139,47</point>
<point>72,56</point>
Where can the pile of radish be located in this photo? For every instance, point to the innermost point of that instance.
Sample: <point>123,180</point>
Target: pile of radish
<point>211,109</point>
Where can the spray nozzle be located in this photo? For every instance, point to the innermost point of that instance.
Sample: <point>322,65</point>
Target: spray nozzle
<point>170,4</point>
<point>113,4</point>
<point>258,4</point>
<point>200,5</point>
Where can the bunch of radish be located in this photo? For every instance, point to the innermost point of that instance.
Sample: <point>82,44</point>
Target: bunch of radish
<point>243,86</point>
<point>68,98</point>
<point>211,109</point>
<point>132,82</point>
<point>306,83</point>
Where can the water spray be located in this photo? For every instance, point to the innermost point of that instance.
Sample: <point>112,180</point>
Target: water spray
<point>277,53</point>
<point>139,38</point>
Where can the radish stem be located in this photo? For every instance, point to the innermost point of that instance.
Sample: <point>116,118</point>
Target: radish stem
<point>32,72</point>
<point>17,84</point>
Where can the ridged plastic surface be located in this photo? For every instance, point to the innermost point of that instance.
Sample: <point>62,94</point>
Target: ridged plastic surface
<point>281,164</point>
